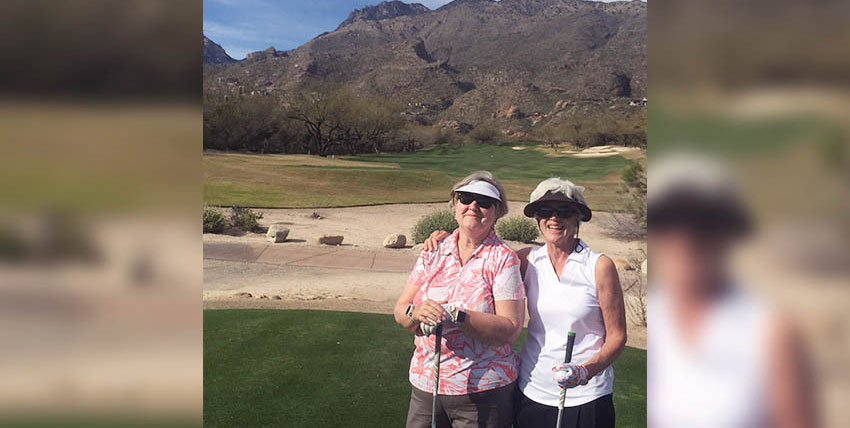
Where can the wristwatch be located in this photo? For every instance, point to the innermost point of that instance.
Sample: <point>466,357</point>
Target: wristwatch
<point>459,317</point>
<point>409,312</point>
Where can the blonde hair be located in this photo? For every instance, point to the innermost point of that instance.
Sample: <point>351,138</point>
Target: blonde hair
<point>486,176</point>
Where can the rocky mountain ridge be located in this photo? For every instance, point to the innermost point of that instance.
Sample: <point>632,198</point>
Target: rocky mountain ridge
<point>470,60</point>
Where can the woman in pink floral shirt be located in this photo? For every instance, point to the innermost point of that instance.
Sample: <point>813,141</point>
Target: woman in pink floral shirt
<point>471,284</point>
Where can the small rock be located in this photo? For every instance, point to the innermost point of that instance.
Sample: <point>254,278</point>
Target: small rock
<point>315,215</point>
<point>395,240</point>
<point>276,297</point>
<point>264,296</point>
<point>243,295</point>
<point>277,233</point>
<point>644,266</point>
<point>329,239</point>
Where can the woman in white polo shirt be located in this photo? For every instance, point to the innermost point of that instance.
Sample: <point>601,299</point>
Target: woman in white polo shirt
<point>569,287</point>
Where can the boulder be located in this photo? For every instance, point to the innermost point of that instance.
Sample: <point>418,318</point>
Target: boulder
<point>395,240</point>
<point>508,111</point>
<point>244,295</point>
<point>329,239</point>
<point>277,233</point>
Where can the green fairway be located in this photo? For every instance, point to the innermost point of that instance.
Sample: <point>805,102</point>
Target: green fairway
<point>265,368</point>
<point>503,161</point>
<point>300,181</point>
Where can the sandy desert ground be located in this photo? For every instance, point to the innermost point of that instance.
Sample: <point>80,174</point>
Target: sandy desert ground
<point>364,228</point>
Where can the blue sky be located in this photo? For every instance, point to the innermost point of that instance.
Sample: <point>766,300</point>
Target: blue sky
<point>243,26</point>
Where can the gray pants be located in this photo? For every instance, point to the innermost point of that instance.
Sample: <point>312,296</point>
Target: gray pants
<point>488,409</point>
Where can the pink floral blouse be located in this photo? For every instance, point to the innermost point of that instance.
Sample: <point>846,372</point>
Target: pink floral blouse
<point>467,365</point>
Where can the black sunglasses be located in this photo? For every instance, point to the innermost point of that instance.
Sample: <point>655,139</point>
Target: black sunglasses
<point>483,201</point>
<point>546,212</point>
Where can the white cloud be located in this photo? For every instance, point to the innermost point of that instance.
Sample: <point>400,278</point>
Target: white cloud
<point>216,30</point>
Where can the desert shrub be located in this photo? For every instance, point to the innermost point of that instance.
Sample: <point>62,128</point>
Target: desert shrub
<point>245,218</point>
<point>634,184</point>
<point>250,124</point>
<point>596,129</point>
<point>483,134</point>
<point>438,220</point>
<point>214,221</point>
<point>517,229</point>
<point>623,226</point>
<point>635,292</point>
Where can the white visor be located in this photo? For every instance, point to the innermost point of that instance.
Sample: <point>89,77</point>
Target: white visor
<point>481,188</point>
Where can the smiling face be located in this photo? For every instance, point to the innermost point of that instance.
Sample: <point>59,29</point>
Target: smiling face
<point>556,230</point>
<point>473,218</point>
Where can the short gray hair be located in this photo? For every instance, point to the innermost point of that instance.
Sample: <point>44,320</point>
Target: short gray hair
<point>486,176</point>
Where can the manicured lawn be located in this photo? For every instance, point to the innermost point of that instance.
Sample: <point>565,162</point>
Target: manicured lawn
<point>265,368</point>
<point>503,161</point>
<point>299,181</point>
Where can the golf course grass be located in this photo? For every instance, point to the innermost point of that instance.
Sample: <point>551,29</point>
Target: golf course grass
<point>294,368</point>
<point>300,181</point>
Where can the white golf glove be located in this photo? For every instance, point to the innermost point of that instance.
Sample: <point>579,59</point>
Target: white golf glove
<point>429,329</point>
<point>570,375</point>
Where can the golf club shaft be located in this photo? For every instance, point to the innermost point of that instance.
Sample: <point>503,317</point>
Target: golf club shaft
<point>571,339</point>
<point>437,344</point>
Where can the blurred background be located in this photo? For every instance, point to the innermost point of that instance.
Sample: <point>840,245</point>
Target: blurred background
<point>100,125</point>
<point>100,198</point>
<point>764,88</point>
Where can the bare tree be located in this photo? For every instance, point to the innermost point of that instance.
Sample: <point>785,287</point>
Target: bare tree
<point>341,121</point>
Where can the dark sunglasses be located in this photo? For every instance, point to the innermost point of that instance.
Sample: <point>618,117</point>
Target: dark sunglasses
<point>483,201</point>
<point>546,212</point>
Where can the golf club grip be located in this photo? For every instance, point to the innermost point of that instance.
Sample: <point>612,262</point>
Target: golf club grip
<point>438,333</point>
<point>571,340</point>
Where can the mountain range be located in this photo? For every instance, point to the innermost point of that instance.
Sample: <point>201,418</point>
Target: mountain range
<point>469,60</point>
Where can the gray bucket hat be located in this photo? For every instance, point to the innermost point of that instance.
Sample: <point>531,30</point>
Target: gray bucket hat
<point>555,189</point>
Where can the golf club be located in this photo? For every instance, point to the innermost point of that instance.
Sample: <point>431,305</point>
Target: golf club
<point>571,338</point>
<point>439,337</point>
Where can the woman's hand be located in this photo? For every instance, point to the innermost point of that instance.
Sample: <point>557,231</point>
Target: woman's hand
<point>433,241</point>
<point>430,312</point>
<point>570,375</point>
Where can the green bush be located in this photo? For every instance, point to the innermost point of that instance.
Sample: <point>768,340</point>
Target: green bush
<point>245,218</point>
<point>634,184</point>
<point>213,221</point>
<point>483,134</point>
<point>439,220</point>
<point>517,229</point>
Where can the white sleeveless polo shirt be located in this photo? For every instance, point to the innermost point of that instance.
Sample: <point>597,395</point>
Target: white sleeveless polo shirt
<point>557,306</point>
<point>718,380</point>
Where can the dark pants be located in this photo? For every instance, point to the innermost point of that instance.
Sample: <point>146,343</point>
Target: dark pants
<point>598,413</point>
<point>488,409</point>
